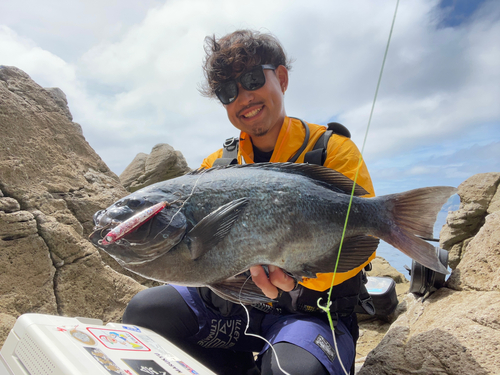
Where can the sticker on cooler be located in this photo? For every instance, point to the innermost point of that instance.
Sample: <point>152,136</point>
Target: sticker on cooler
<point>145,366</point>
<point>77,334</point>
<point>118,340</point>
<point>154,345</point>
<point>105,361</point>
<point>132,328</point>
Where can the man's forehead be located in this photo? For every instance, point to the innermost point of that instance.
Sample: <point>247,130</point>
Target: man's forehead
<point>237,70</point>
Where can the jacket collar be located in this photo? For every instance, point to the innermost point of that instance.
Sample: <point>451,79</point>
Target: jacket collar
<point>290,139</point>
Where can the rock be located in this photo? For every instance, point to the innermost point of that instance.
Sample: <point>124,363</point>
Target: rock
<point>475,196</point>
<point>382,268</point>
<point>494,205</point>
<point>373,329</point>
<point>134,170</point>
<point>456,252</point>
<point>162,164</point>
<point>479,268</point>
<point>26,281</point>
<point>60,98</point>
<point>8,205</point>
<point>456,330</point>
<point>16,225</point>
<point>6,323</point>
<point>446,334</point>
<point>109,290</point>
<point>52,182</point>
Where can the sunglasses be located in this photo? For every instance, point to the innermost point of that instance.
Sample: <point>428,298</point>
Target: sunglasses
<point>254,79</point>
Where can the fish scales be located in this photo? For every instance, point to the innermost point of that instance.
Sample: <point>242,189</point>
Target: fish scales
<point>221,221</point>
<point>294,210</point>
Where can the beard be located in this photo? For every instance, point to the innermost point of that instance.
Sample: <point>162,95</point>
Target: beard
<point>260,132</point>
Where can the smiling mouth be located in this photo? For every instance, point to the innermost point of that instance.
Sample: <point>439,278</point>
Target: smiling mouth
<point>252,113</point>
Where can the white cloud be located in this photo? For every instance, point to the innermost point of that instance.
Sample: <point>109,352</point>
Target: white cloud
<point>23,53</point>
<point>130,70</point>
<point>131,76</point>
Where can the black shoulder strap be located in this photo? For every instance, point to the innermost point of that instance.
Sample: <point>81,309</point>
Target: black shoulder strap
<point>318,154</point>
<point>229,152</point>
<point>230,149</point>
<point>338,128</point>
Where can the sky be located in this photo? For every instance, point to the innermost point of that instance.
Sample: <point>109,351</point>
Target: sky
<point>131,72</point>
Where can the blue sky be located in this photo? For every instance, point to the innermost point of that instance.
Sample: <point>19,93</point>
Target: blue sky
<point>456,12</point>
<point>131,71</point>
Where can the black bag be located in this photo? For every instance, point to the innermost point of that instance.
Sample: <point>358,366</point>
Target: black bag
<point>425,281</point>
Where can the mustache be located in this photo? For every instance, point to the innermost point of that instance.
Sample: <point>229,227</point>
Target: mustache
<point>239,113</point>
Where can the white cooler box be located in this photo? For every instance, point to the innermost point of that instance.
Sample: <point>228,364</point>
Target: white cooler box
<point>54,345</point>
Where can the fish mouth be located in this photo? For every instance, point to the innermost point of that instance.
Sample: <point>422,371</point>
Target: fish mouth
<point>145,243</point>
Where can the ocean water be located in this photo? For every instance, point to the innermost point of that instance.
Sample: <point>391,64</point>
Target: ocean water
<point>397,259</point>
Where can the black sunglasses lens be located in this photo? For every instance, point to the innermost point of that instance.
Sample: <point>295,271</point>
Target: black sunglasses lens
<point>253,80</point>
<point>227,92</point>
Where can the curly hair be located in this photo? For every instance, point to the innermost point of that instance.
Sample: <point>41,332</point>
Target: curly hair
<point>237,52</point>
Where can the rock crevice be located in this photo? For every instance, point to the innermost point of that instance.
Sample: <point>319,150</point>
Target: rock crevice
<point>52,182</point>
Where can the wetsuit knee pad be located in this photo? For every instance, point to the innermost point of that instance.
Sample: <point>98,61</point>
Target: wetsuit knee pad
<point>293,359</point>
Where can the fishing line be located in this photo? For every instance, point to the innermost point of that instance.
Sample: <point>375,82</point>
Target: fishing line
<point>182,205</point>
<point>332,327</point>
<point>328,304</point>
<point>258,336</point>
<point>354,186</point>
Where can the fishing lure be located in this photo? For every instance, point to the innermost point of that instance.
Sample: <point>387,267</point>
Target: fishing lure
<point>133,223</point>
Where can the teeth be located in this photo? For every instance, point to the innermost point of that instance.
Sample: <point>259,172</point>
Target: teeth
<point>253,113</point>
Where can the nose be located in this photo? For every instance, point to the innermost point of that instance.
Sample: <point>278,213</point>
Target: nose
<point>244,97</point>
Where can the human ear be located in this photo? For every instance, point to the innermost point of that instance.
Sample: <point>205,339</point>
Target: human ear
<point>282,74</point>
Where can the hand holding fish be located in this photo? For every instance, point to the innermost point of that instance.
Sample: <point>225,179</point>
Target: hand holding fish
<point>269,285</point>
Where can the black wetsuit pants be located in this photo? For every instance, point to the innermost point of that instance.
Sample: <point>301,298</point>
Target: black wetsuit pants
<point>163,310</point>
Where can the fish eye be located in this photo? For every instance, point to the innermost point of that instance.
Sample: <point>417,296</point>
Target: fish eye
<point>136,202</point>
<point>97,215</point>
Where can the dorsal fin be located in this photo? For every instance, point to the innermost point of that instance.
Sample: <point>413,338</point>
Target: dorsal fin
<point>331,179</point>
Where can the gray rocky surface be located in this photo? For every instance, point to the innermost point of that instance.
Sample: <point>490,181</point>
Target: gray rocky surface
<point>163,163</point>
<point>479,196</point>
<point>51,183</point>
<point>457,329</point>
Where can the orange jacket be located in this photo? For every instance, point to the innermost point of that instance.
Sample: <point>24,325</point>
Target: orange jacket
<point>342,156</point>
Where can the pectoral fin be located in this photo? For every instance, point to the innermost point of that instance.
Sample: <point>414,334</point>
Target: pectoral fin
<point>240,289</point>
<point>213,227</point>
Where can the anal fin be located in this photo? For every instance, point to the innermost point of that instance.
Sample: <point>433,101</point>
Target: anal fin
<point>355,251</point>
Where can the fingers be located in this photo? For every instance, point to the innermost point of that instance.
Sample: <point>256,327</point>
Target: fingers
<point>277,279</point>
<point>280,279</point>
<point>260,279</point>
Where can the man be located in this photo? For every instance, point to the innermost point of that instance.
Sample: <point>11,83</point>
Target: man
<point>248,72</point>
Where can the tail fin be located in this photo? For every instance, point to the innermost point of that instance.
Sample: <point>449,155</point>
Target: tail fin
<point>413,214</point>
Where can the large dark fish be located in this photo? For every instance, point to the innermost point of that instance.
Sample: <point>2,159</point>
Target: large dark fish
<point>219,222</point>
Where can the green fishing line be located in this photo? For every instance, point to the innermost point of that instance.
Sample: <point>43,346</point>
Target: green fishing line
<point>327,307</point>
